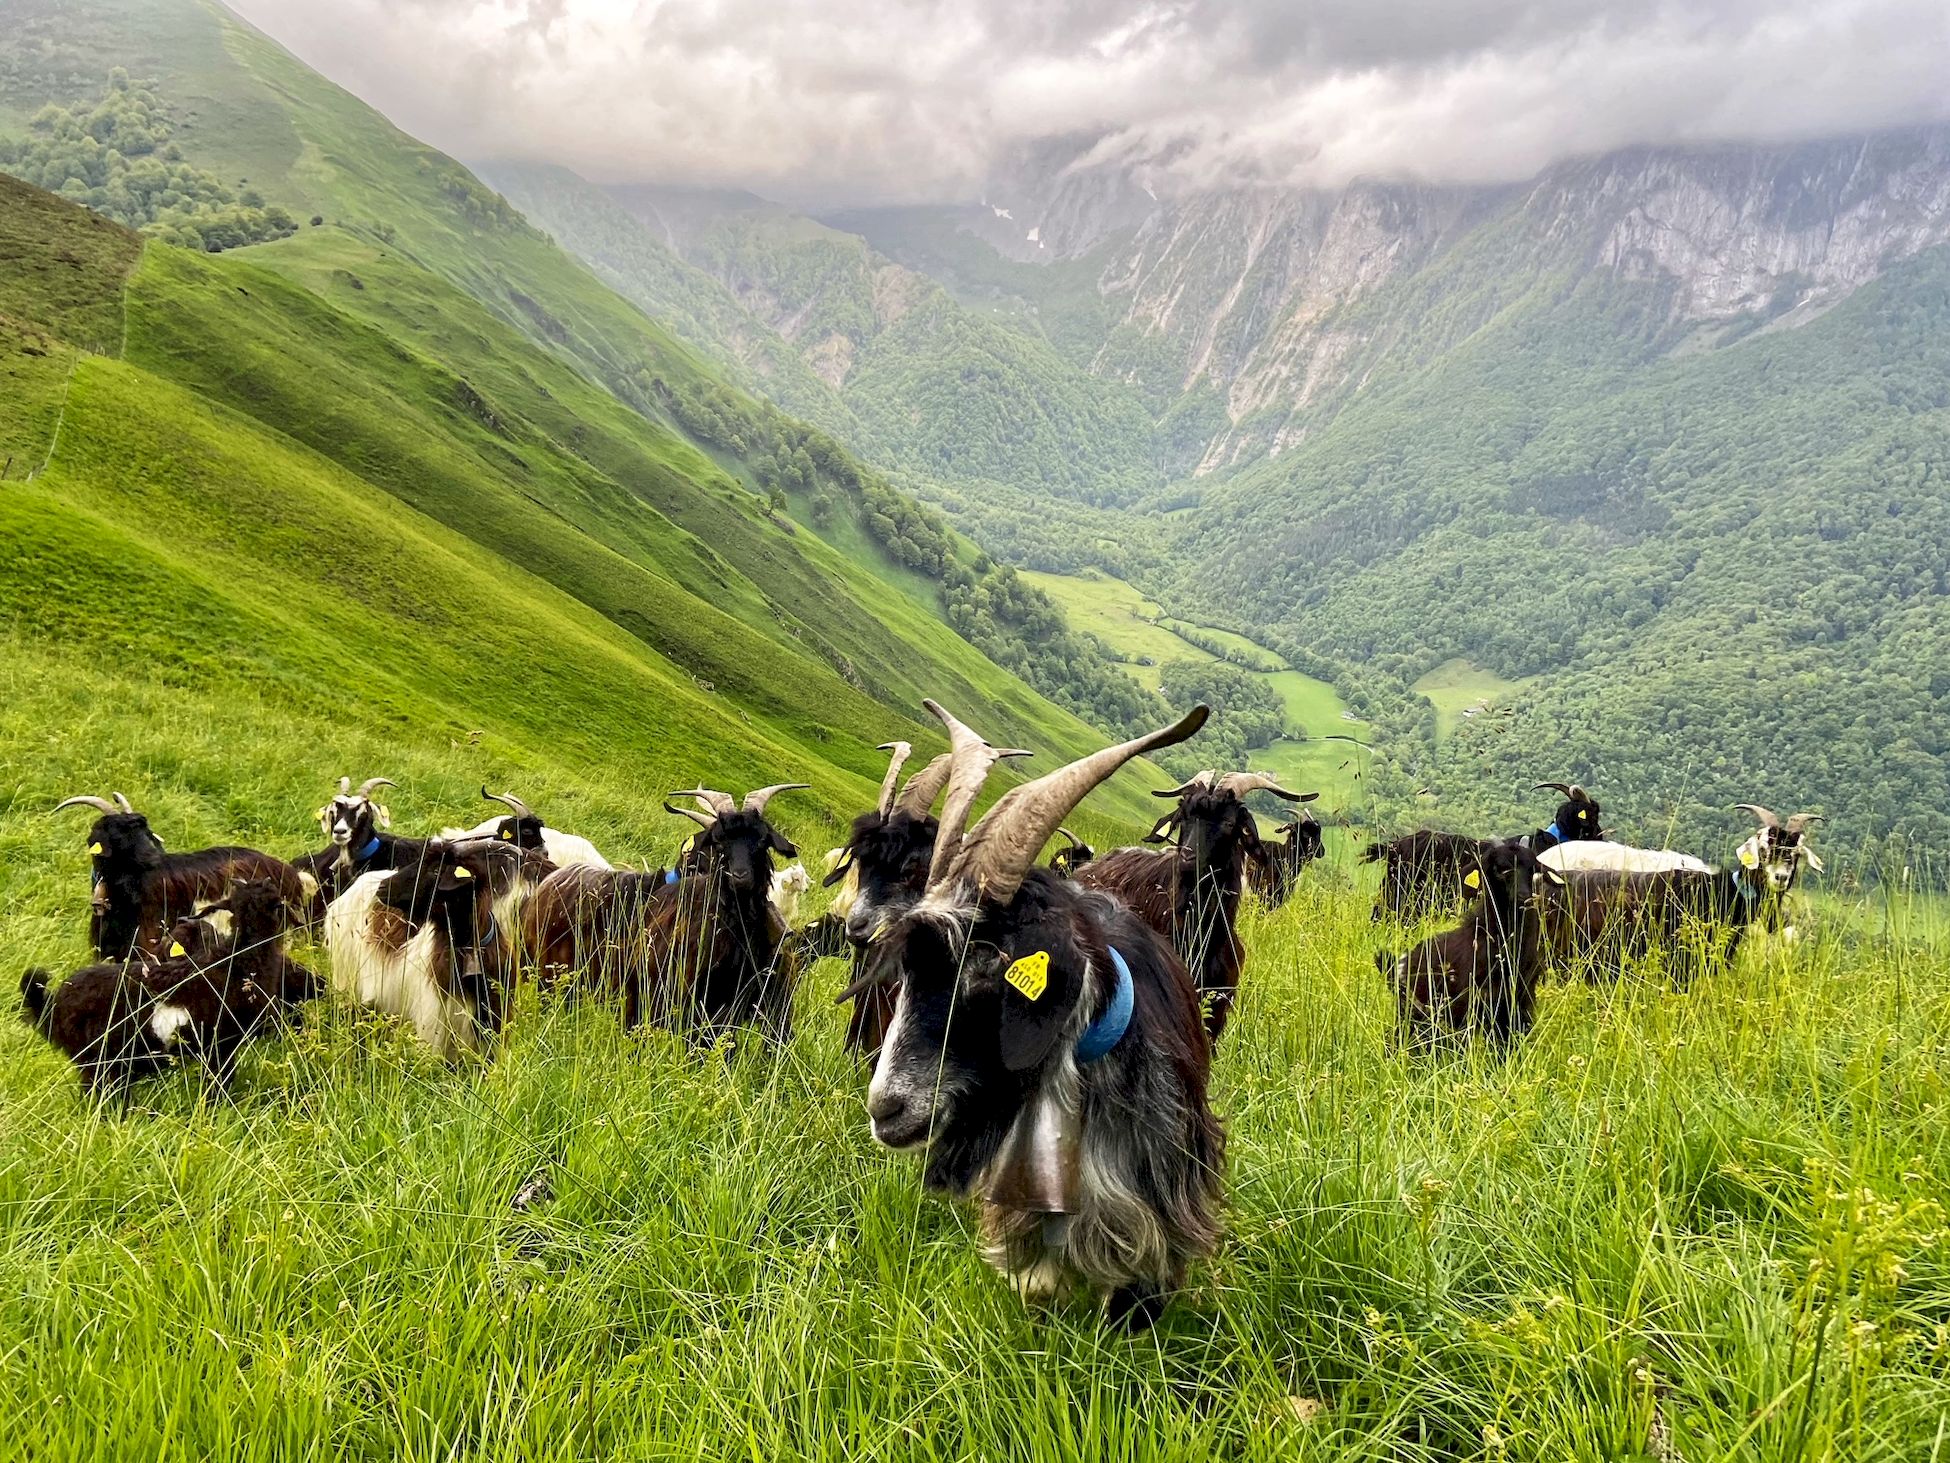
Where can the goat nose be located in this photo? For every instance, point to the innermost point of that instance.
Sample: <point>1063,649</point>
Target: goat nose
<point>882,1106</point>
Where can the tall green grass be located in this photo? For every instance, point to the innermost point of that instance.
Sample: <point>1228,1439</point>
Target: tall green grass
<point>1701,1226</point>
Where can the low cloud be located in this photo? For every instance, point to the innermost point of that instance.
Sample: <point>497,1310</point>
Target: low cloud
<point>827,102</point>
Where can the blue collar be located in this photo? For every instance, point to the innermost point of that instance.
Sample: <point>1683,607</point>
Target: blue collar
<point>368,851</point>
<point>1108,1029</point>
<point>670,876</point>
<point>1556,832</point>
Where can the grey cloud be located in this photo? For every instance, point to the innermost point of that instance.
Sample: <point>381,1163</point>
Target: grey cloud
<point>851,101</point>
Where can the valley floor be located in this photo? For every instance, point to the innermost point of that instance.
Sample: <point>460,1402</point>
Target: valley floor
<point>1700,1226</point>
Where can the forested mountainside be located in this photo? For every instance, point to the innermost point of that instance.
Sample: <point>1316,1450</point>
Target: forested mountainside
<point>1644,421</point>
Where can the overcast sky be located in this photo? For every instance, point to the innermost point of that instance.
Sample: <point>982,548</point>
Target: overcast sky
<point>858,101</point>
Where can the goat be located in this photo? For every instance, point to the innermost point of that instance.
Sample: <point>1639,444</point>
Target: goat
<point>1189,893</point>
<point>1275,868</point>
<point>360,844</point>
<point>787,891</point>
<point>1067,860</point>
<point>522,828</point>
<point>1578,817</point>
<point>698,952</point>
<point>1480,977</point>
<point>119,1022</point>
<point>431,940</point>
<point>241,937</point>
<point>1047,1052</point>
<point>882,870</point>
<point>139,890</point>
<point>1605,917</point>
<point>1422,871</point>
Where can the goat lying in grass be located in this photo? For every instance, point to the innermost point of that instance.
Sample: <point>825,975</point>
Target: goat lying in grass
<point>1480,978</point>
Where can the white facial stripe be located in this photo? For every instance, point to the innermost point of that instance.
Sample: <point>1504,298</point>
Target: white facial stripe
<point>167,1022</point>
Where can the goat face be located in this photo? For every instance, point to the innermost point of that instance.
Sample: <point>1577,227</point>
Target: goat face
<point>1510,865</point>
<point>122,842</point>
<point>1217,829</point>
<point>738,848</point>
<point>1304,842</point>
<point>1777,855</point>
<point>523,831</point>
<point>1578,817</point>
<point>968,1037</point>
<point>352,821</point>
<point>888,855</point>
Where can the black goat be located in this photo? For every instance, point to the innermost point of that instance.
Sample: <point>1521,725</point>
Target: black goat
<point>1422,872</point>
<point>1578,817</point>
<point>1047,1052</point>
<point>1067,860</point>
<point>139,889</point>
<point>249,944</point>
<point>882,870</point>
<point>698,952</point>
<point>1276,866</point>
<point>1189,893</point>
<point>1481,977</point>
<point>524,828</point>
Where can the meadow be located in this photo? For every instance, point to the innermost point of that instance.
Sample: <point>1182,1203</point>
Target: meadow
<point>1694,1226</point>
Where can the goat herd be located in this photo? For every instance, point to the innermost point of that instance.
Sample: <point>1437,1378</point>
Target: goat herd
<point>1042,1035</point>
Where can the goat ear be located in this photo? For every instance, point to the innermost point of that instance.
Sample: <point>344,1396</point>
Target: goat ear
<point>383,814</point>
<point>838,872</point>
<point>1037,999</point>
<point>779,843</point>
<point>1813,858</point>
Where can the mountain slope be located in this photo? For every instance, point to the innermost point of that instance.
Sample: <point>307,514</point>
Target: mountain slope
<point>273,507</point>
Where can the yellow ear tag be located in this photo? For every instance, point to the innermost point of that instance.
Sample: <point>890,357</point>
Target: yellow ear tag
<point>507,833</point>
<point>1030,975</point>
<point>689,844</point>
<point>1748,856</point>
<point>176,948</point>
<point>463,873</point>
<point>95,848</point>
<point>1472,880</point>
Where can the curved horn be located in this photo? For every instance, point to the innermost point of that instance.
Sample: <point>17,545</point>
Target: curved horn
<point>1074,841</point>
<point>1241,783</point>
<point>969,760</point>
<point>366,787</point>
<point>924,786</point>
<point>997,853</point>
<point>1767,819</point>
<point>902,751</point>
<point>703,820</point>
<point>719,803</point>
<point>1798,822</point>
<point>1566,788</point>
<point>122,802</point>
<point>1203,779</point>
<point>755,801</point>
<point>521,808</point>
<point>101,805</point>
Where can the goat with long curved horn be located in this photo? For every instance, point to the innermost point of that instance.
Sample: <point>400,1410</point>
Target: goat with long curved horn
<point>516,804</point>
<point>996,854</point>
<point>1239,784</point>
<point>100,805</point>
<point>755,801</point>
<point>891,782</point>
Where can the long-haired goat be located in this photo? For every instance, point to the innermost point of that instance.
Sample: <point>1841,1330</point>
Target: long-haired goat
<point>1189,893</point>
<point>139,890</point>
<point>120,1021</point>
<point>699,952</point>
<point>359,844</point>
<point>241,937</point>
<point>433,940</point>
<point>1047,1053</point>
<point>524,829</point>
<point>1481,977</point>
<point>1422,872</point>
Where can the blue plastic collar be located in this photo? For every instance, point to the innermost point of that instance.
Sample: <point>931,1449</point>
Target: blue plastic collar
<point>368,851</point>
<point>1108,1029</point>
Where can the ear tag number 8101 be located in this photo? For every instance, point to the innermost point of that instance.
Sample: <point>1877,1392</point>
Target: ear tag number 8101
<point>1030,975</point>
